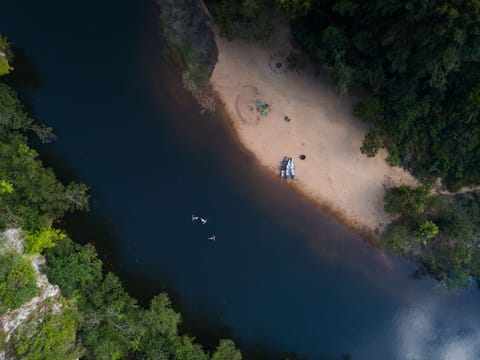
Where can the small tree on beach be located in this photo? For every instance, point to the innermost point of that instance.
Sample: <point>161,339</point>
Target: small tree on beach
<point>406,200</point>
<point>371,143</point>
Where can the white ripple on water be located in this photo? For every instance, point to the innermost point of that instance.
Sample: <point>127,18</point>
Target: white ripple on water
<point>433,329</point>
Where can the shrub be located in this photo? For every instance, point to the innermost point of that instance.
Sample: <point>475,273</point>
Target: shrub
<point>394,239</point>
<point>18,283</point>
<point>406,200</point>
<point>52,338</point>
<point>371,143</point>
<point>36,242</point>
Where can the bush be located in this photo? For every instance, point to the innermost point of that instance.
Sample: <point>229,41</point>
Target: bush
<point>18,282</point>
<point>427,230</point>
<point>371,143</point>
<point>36,242</point>
<point>394,239</point>
<point>73,267</point>
<point>52,338</point>
<point>406,200</point>
<point>393,159</point>
<point>370,110</point>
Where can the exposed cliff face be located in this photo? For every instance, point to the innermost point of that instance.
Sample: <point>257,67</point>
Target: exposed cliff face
<point>186,28</point>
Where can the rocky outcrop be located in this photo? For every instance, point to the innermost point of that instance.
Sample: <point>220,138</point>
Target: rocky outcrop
<point>46,300</point>
<point>186,28</point>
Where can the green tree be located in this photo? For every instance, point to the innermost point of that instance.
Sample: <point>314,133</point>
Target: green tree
<point>474,96</point>
<point>346,76</point>
<point>109,323</point>
<point>12,113</point>
<point>250,9</point>
<point>371,143</point>
<point>18,281</point>
<point>5,67</point>
<point>345,7</point>
<point>370,110</point>
<point>421,63</point>
<point>293,8</point>
<point>36,242</point>
<point>335,40</point>
<point>395,238</point>
<point>111,327</point>
<point>73,267</point>
<point>52,338</point>
<point>160,323</point>
<point>226,350</point>
<point>5,187</point>
<point>406,200</point>
<point>427,230</point>
<point>244,19</point>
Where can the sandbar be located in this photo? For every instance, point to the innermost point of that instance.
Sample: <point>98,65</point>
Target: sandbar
<point>335,174</point>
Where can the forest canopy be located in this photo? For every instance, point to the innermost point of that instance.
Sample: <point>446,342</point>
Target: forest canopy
<point>420,62</point>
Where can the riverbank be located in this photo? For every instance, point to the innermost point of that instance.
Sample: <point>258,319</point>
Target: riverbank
<point>334,174</point>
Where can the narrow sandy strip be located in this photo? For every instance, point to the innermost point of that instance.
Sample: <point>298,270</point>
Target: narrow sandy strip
<point>334,174</point>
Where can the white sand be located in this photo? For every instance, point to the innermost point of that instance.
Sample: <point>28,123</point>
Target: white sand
<point>335,174</point>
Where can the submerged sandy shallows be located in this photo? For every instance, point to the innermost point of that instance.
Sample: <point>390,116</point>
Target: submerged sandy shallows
<point>335,174</point>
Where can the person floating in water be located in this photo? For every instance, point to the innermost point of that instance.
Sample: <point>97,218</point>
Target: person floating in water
<point>194,218</point>
<point>212,238</point>
<point>204,221</point>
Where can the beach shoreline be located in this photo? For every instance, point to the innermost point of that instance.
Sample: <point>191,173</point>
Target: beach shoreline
<point>335,175</point>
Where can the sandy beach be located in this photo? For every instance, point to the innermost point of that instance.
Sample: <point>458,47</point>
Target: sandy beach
<point>334,174</point>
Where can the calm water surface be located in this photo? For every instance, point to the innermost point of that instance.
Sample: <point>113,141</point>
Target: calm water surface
<point>282,276</point>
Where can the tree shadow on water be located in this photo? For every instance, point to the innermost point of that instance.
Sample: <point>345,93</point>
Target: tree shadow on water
<point>199,321</point>
<point>26,78</point>
<point>93,228</point>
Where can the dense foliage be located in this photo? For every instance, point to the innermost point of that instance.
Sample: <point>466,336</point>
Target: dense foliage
<point>49,337</point>
<point>34,198</point>
<point>439,231</point>
<point>246,19</point>
<point>420,61</point>
<point>96,318</point>
<point>5,56</point>
<point>18,282</point>
<point>114,326</point>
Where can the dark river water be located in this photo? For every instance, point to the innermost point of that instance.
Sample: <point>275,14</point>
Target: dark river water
<point>282,275</point>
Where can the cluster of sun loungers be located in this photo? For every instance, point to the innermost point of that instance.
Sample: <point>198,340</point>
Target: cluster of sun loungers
<point>287,170</point>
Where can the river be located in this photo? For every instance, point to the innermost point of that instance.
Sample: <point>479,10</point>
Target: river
<point>282,276</point>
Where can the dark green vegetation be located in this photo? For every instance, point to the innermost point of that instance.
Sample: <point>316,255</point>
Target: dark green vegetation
<point>18,282</point>
<point>420,65</point>
<point>246,19</point>
<point>113,325</point>
<point>252,20</point>
<point>439,231</point>
<point>418,60</point>
<point>95,318</point>
<point>5,54</point>
<point>50,336</point>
